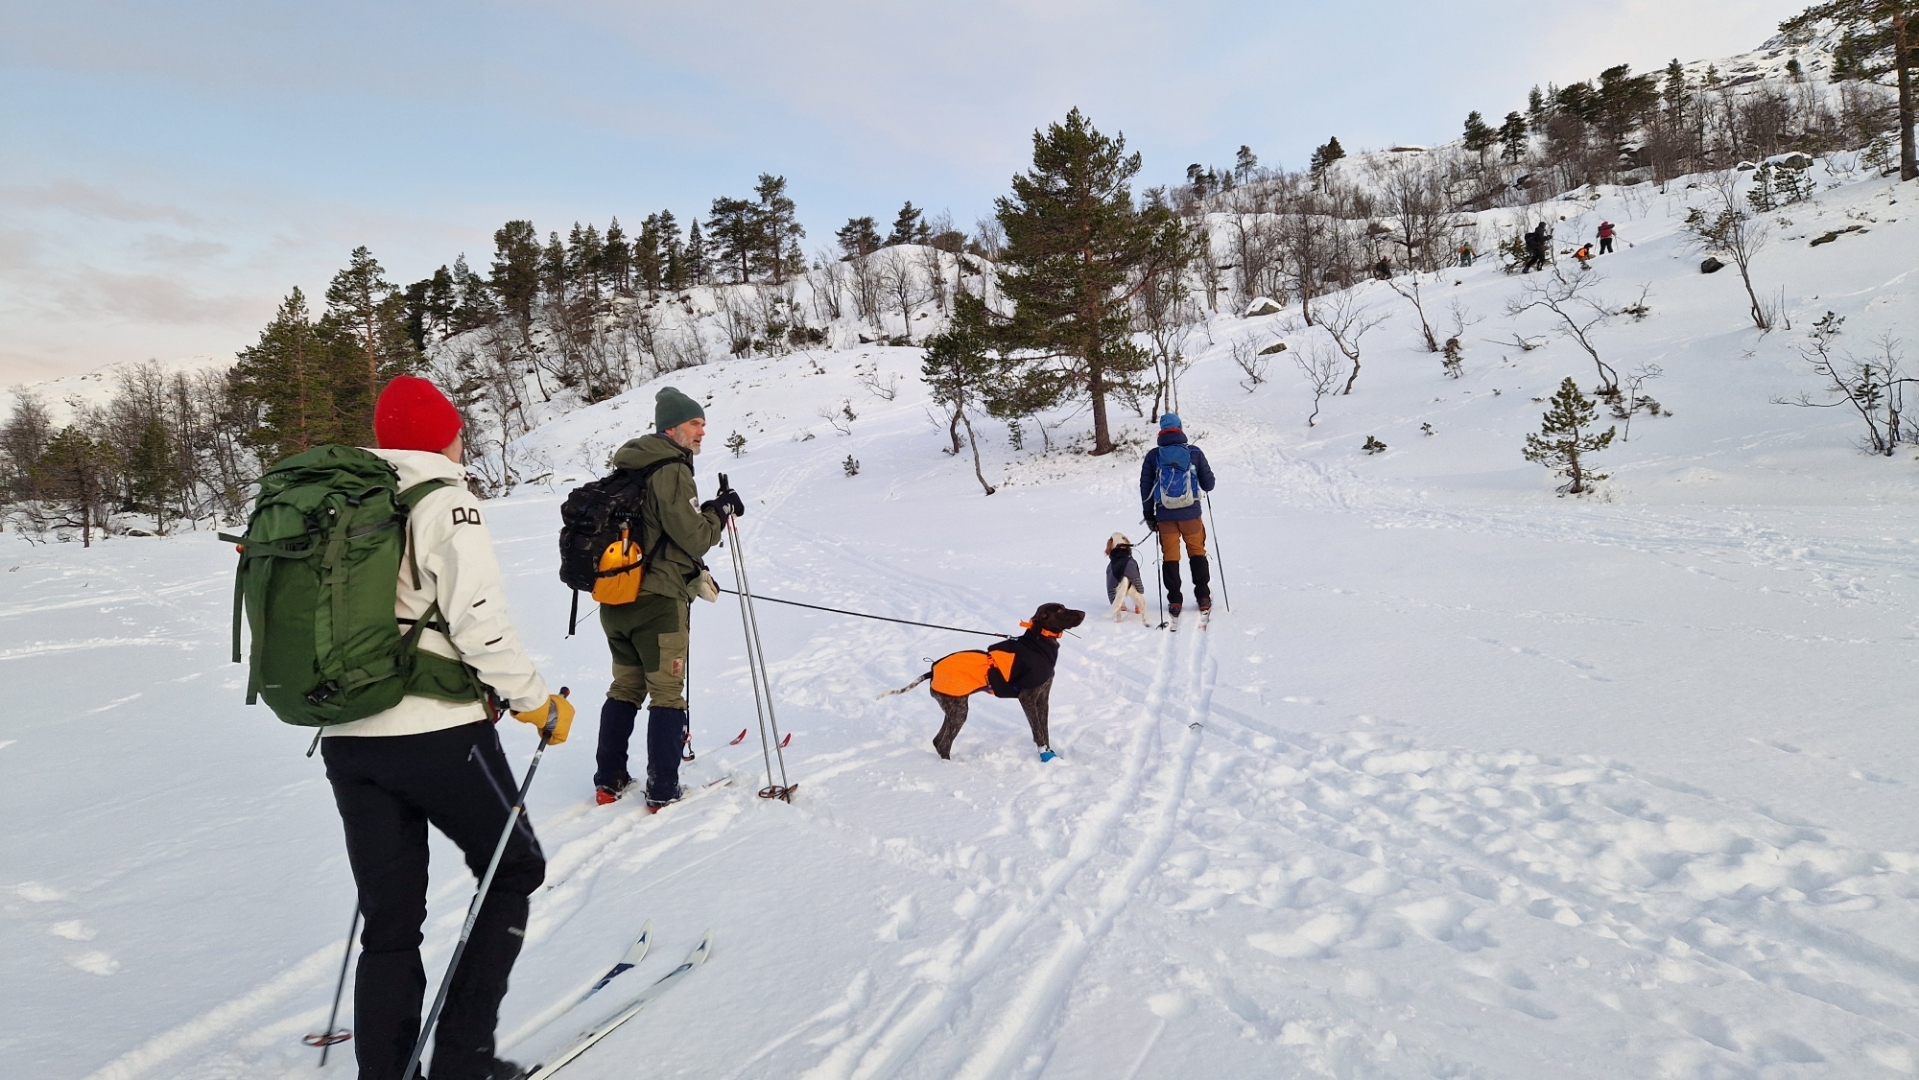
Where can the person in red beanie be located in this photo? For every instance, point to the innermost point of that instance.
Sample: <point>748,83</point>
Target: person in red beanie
<point>395,771</point>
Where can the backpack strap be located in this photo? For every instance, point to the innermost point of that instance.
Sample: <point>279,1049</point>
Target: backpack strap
<point>405,501</point>
<point>646,476</point>
<point>428,674</point>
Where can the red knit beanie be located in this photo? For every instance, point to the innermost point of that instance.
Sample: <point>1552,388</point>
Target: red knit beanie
<point>412,414</point>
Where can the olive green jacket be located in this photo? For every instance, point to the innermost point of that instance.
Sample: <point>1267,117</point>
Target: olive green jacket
<point>672,504</point>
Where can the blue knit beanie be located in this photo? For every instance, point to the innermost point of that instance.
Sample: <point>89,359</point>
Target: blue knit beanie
<point>1170,420</point>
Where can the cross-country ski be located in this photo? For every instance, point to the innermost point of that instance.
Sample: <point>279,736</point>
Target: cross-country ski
<point>588,1038</point>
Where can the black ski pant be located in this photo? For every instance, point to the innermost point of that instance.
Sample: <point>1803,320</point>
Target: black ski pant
<point>1202,580</point>
<point>1036,702</point>
<point>1605,245</point>
<point>388,790</point>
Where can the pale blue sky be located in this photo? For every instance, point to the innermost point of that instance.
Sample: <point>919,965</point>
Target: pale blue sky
<point>171,170</point>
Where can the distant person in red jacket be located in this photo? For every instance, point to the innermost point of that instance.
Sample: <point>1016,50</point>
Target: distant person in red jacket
<point>1605,237</point>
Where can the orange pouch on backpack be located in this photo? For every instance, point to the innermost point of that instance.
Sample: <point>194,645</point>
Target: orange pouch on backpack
<point>620,572</point>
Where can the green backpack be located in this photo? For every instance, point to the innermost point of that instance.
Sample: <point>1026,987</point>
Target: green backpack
<point>319,565</point>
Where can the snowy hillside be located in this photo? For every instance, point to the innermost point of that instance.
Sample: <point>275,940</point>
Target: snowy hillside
<point>1472,781</point>
<point>94,389</point>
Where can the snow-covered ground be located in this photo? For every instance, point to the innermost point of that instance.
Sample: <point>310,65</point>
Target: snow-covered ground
<point>1472,780</point>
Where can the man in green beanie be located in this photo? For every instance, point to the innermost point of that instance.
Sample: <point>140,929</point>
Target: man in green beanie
<point>648,637</point>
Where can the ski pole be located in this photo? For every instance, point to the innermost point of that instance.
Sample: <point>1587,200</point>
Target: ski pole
<point>770,749</point>
<point>331,1035</point>
<point>1160,579</point>
<point>1219,553</point>
<point>479,895</point>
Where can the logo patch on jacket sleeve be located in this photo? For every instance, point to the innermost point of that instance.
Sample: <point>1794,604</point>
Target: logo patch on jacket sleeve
<point>465,516</point>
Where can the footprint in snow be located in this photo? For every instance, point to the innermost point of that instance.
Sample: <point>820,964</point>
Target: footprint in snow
<point>905,922</point>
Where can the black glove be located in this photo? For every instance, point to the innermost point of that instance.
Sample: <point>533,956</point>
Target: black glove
<point>1146,512</point>
<point>726,504</point>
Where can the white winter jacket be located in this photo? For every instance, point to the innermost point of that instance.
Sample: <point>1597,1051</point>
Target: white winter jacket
<point>458,569</point>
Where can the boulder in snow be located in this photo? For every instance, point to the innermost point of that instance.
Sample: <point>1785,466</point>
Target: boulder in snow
<point>1263,305</point>
<point>1711,266</point>
<point>1795,161</point>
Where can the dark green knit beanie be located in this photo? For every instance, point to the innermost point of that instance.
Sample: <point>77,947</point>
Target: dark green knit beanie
<point>672,408</point>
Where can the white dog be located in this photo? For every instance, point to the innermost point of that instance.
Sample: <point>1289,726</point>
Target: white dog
<point>1123,582</point>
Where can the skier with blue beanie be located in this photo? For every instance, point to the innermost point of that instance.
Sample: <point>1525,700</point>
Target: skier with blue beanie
<point>1171,481</point>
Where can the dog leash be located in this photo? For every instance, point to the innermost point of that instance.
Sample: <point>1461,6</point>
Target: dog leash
<point>864,615</point>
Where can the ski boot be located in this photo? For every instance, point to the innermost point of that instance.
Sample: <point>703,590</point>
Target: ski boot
<point>604,795</point>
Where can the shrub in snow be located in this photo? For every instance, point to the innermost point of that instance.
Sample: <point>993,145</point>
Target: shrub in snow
<point>1373,445</point>
<point>1874,388</point>
<point>851,466</point>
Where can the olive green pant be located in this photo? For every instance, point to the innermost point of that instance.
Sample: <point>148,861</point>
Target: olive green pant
<point>648,640</point>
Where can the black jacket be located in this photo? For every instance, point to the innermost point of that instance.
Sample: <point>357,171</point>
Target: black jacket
<point>1034,657</point>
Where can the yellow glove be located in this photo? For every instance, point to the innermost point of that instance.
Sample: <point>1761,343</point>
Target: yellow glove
<point>538,714</point>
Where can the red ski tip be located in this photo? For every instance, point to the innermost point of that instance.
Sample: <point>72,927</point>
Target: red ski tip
<point>786,740</point>
<point>738,739</point>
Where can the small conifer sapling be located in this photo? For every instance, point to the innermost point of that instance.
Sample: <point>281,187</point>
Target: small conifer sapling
<point>736,442</point>
<point>1564,441</point>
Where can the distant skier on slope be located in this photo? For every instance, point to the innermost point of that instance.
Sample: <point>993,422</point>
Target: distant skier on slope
<point>395,771</point>
<point>1605,237</point>
<point>1171,482</point>
<point>648,637</point>
<point>1537,242</point>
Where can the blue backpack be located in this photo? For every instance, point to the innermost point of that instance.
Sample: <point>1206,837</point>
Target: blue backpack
<point>1177,485</point>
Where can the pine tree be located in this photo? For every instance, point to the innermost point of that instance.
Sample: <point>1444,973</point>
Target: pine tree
<point>1512,137</point>
<point>516,270</point>
<point>365,323</point>
<point>907,227</point>
<point>555,277</point>
<point>415,297</point>
<point>1079,250</point>
<point>473,300</point>
<point>1478,137</point>
<point>1676,89</point>
<point>666,230</point>
<point>1324,156</point>
<point>963,367</point>
<point>1563,442</point>
<point>440,301</point>
<point>616,260</point>
<point>859,236</point>
<point>1245,163</point>
<point>777,222</point>
<point>288,377</point>
<point>648,266</point>
<point>732,225</point>
<point>697,256</point>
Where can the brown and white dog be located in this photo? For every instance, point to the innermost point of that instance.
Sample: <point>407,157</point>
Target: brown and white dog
<point>1020,667</point>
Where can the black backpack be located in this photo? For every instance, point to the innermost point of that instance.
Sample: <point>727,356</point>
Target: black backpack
<point>595,517</point>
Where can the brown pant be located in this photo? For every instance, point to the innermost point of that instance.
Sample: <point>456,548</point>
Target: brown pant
<point>1172,532</point>
<point>954,710</point>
